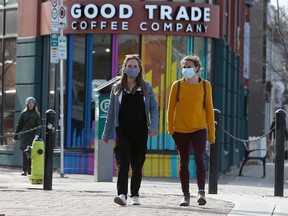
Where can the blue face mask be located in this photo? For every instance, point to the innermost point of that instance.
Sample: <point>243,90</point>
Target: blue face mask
<point>132,72</point>
<point>188,72</point>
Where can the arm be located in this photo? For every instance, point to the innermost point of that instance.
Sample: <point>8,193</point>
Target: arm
<point>172,108</point>
<point>210,113</point>
<point>19,127</point>
<point>109,123</point>
<point>154,113</point>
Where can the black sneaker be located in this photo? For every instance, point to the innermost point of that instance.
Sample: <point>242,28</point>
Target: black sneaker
<point>24,174</point>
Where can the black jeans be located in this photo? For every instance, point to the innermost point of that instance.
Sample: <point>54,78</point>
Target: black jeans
<point>131,148</point>
<point>26,163</point>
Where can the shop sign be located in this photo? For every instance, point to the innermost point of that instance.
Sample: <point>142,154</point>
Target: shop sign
<point>171,18</point>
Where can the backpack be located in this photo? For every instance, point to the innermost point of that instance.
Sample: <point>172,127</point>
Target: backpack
<point>204,87</point>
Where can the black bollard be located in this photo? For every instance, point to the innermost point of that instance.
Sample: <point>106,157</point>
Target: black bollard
<point>280,124</point>
<point>213,162</point>
<point>49,145</point>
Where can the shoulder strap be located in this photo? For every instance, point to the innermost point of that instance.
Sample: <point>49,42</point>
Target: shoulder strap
<point>204,88</point>
<point>178,90</point>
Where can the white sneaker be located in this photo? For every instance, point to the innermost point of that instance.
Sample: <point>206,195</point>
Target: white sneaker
<point>121,199</point>
<point>201,198</point>
<point>135,200</point>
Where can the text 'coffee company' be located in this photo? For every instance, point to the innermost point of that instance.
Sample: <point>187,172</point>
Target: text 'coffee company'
<point>144,18</point>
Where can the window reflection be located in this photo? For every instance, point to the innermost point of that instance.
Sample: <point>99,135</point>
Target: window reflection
<point>8,94</point>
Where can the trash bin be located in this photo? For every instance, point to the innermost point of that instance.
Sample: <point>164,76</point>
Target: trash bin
<point>103,157</point>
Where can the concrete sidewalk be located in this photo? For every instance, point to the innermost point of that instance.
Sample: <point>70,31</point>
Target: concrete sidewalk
<point>80,195</point>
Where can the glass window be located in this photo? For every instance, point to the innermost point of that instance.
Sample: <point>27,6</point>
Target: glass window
<point>1,3</point>
<point>209,58</point>
<point>78,86</point>
<point>154,60</point>
<point>1,22</point>
<point>11,21</point>
<point>101,57</point>
<point>200,52</point>
<point>179,51</point>
<point>10,2</point>
<point>128,44</point>
<point>8,94</point>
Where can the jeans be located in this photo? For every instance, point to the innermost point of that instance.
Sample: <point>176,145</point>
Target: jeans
<point>197,140</point>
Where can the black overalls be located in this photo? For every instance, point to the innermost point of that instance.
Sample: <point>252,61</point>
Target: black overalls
<point>131,141</point>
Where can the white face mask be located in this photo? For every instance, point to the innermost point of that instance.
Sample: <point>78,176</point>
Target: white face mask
<point>188,72</point>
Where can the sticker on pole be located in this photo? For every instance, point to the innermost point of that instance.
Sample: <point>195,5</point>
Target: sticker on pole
<point>63,17</point>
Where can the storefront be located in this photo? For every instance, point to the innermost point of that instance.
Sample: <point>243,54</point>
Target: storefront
<point>99,35</point>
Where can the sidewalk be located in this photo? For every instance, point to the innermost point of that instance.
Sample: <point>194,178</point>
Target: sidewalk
<point>81,195</point>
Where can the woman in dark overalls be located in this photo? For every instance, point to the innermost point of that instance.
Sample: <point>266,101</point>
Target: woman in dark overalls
<point>134,112</point>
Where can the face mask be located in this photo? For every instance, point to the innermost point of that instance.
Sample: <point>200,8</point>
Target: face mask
<point>188,72</point>
<point>132,72</point>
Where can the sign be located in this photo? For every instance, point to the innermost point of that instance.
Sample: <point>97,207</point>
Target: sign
<point>62,47</point>
<point>63,17</point>
<point>54,3</point>
<point>54,16</point>
<point>54,50</point>
<point>54,40</point>
<point>54,55</point>
<point>143,17</point>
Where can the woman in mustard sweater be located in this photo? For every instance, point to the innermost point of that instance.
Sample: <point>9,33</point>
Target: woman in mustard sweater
<point>190,117</point>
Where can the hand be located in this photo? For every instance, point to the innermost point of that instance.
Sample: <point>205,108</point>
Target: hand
<point>152,133</point>
<point>105,141</point>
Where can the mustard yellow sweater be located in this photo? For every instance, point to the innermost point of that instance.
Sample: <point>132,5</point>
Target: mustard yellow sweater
<point>189,114</point>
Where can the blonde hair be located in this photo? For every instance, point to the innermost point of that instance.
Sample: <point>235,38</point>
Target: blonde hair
<point>193,58</point>
<point>139,79</point>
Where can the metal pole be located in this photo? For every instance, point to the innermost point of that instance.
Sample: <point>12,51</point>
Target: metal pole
<point>61,111</point>
<point>49,145</point>
<point>213,162</point>
<point>279,159</point>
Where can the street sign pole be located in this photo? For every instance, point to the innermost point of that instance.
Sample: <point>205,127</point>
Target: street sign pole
<point>61,111</point>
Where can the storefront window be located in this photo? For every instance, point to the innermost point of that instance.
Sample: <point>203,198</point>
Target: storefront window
<point>8,94</point>
<point>179,50</point>
<point>154,53</point>
<point>78,87</point>
<point>199,50</point>
<point>128,44</point>
<point>101,57</point>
